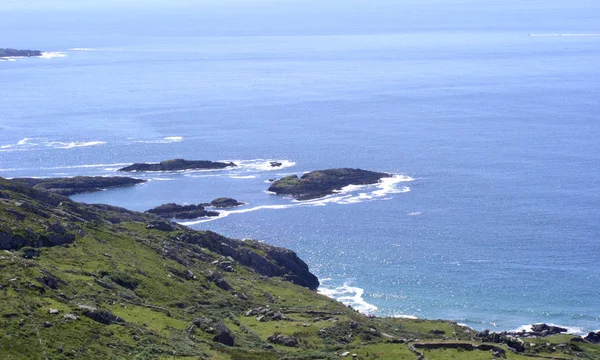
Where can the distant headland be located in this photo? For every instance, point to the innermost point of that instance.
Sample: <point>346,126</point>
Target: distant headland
<point>19,53</point>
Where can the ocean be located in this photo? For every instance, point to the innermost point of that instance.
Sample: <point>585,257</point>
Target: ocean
<point>487,112</point>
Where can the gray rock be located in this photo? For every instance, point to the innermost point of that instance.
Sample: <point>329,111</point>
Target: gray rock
<point>104,317</point>
<point>70,317</point>
<point>284,340</point>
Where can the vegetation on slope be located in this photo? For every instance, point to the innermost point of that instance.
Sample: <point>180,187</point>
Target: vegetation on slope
<point>99,282</point>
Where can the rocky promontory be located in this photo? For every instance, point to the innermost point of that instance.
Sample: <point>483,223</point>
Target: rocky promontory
<point>174,211</point>
<point>178,164</point>
<point>77,184</point>
<point>321,183</point>
<point>186,212</point>
<point>19,53</point>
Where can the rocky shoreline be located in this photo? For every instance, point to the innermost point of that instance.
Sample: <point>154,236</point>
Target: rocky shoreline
<point>187,212</point>
<point>321,183</point>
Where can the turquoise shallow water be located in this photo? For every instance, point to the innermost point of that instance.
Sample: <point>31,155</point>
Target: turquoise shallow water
<point>494,222</point>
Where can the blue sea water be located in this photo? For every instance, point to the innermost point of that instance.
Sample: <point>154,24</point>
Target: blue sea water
<point>487,111</point>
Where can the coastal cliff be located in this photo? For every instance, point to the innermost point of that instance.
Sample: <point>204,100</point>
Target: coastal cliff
<point>87,281</point>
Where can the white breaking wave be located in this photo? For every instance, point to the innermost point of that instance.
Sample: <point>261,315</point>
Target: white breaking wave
<point>415,213</point>
<point>39,143</point>
<point>402,316</point>
<point>349,295</point>
<point>351,194</point>
<point>243,176</point>
<point>52,55</point>
<point>73,144</point>
<point>262,164</point>
<point>573,330</point>
<point>547,35</point>
<point>165,140</point>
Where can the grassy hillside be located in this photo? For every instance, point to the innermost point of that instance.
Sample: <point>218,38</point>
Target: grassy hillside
<point>84,281</point>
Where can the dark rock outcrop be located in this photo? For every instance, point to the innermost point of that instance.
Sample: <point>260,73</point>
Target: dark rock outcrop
<point>178,164</point>
<point>546,330</point>
<point>277,261</point>
<point>283,340</point>
<point>275,164</point>
<point>174,211</point>
<point>78,184</point>
<point>593,337</point>
<point>160,225</point>
<point>19,53</point>
<point>103,316</point>
<point>223,335</point>
<point>321,183</point>
<point>225,203</point>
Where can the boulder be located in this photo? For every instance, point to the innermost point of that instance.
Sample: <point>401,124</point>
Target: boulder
<point>283,340</point>
<point>275,164</point>
<point>223,335</point>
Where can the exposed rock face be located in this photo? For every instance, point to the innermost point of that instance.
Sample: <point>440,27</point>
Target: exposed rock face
<point>277,262</point>
<point>320,183</point>
<point>283,340</point>
<point>178,164</point>
<point>78,184</point>
<point>174,211</point>
<point>22,53</point>
<point>225,203</point>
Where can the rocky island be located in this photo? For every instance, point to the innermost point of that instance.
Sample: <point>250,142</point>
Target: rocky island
<point>178,165</point>
<point>18,53</point>
<point>78,184</point>
<point>321,183</point>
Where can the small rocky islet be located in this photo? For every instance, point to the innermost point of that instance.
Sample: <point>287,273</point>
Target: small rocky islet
<point>8,52</point>
<point>178,165</point>
<point>320,183</point>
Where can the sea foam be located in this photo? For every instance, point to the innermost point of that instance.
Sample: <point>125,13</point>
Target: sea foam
<point>348,295</point>
<point>52,55</point>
